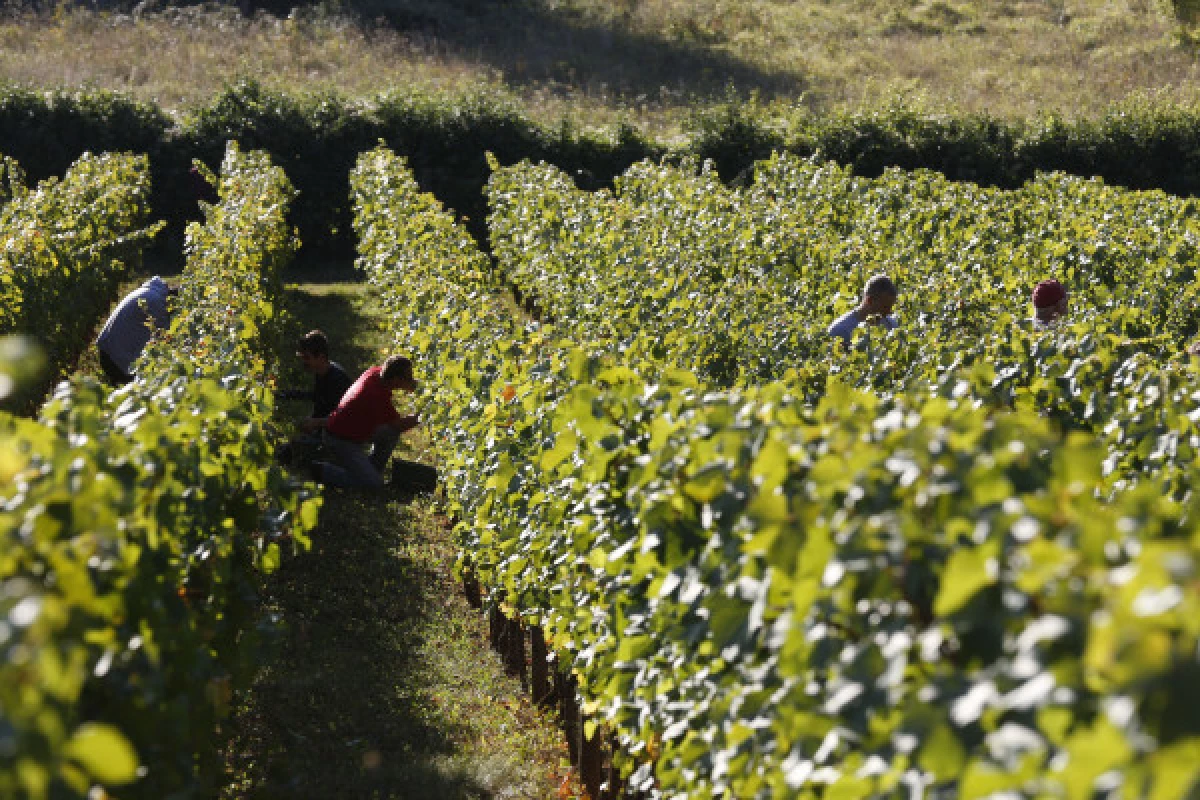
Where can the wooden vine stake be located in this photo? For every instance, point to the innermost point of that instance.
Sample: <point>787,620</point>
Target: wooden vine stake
<point>540,689</point>
<point>591,760</point>
<point>612,776</point>
<point>568,710</point>
<point>471,589</point>
<point>514,649</point>
<point>496,629</point>
<point>591,755</point>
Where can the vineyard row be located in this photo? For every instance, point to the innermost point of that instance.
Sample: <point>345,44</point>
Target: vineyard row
<point>959,557</point>
<point>136,521</point>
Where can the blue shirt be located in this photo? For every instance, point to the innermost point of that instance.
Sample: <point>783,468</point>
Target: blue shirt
<point>844,325</point>
<point>128,328</point>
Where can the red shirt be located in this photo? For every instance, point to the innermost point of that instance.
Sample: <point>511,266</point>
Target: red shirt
<point>365,406</point>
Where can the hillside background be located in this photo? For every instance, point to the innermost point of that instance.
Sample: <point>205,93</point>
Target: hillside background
<point>647,63</point>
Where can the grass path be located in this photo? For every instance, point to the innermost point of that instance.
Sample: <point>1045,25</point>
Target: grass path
<point>383,685</point>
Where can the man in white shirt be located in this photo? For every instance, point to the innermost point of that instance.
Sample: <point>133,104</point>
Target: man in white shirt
<point>129,327</point>
<point>879,296</point>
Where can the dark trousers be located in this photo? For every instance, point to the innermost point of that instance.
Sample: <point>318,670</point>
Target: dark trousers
<point>112,373</point>
<point>352,465</point>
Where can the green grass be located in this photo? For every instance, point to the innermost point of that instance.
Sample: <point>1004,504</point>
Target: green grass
<point>383,684</point>
<point>646,62</point>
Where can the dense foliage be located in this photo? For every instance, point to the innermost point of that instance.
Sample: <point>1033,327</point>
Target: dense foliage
<point>1139,144</point>
<point>12,179</point>
<point>20,362</point>
<point>135,523</point>
<point>977,577</point>
<point>740,284</point>
<point>66,244</point>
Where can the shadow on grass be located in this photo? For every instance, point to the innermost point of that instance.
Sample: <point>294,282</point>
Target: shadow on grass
<point>316,276</point>
<point>326,301</point>
<point>532,44</point>
<point>340,713</point>
<point>381,684</point>
<point>346,704</point>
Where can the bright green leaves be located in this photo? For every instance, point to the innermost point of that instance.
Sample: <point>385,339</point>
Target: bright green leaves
<point>20,362</point>
<point>709,482</point>
<point>942,754</point>
<point>65,246</point>
<point>982,779</point>
<point>966,572</point>
<point>134,521</point>
<point>962,552</point>
<point>1042,562</point>
<point>12,180</point>
<point>103,753</point>
<point>272,557</point>
<point>564,447</point>
<point>1174,771</point>
<point>1091,752</point>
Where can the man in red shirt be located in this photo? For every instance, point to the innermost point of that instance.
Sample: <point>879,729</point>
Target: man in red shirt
<point>1049,304</point>
<point>365,416</point>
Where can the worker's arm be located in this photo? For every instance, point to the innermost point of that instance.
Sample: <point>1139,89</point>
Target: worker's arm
<point>311,424</point>
<point>407,423</point>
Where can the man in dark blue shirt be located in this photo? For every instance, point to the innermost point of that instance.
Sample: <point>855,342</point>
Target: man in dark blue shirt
<point>330,382</point>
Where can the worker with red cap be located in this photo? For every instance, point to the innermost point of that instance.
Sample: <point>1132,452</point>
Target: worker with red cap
<point>1049,303</point>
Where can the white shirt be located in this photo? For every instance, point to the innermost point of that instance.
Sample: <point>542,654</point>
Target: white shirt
<point>128,328</point>
<point>844,325</point>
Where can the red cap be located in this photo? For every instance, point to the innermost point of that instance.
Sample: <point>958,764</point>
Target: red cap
<point>1048,293</point>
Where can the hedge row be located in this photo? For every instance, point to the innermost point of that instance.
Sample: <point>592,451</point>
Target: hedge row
<point>317,138</point>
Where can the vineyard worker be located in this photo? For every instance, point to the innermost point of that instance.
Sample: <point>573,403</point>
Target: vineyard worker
<point>330,380</point>
<point>365,416</point>
<point>879,296</point>
<point>130,326</point>
<point>1049,303</point>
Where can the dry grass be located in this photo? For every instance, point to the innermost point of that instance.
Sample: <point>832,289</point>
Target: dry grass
<point>642,61</point>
